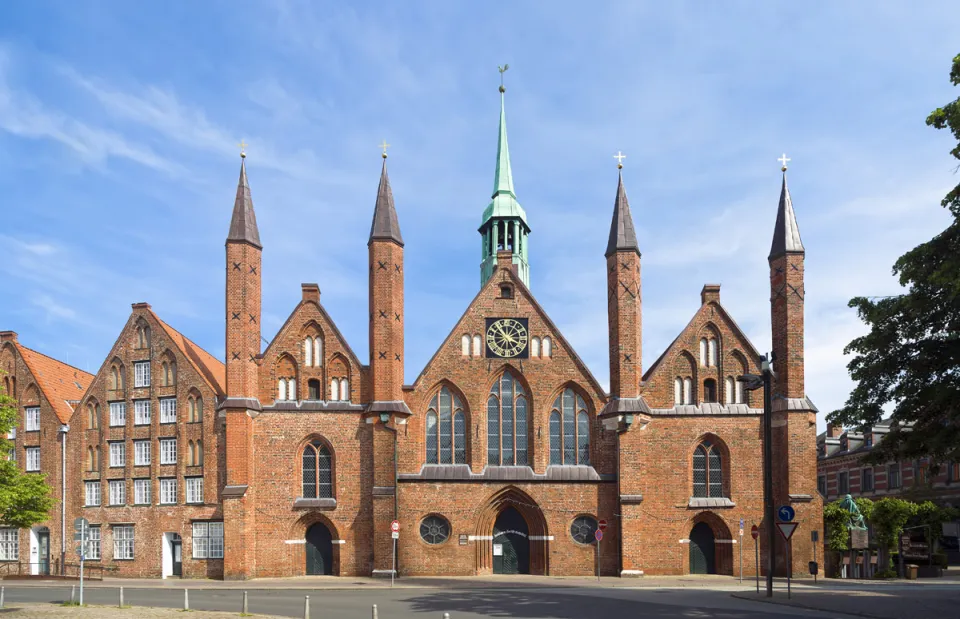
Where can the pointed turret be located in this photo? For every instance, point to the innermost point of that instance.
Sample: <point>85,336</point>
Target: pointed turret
<point>504,224</point>
<point>243,225</point>
<point>622,234</point>
<point>786,233</point>
<point>385,224</point>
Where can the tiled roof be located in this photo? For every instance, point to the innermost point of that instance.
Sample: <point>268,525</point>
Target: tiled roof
<point>63,385</point>
<point>212,369</point>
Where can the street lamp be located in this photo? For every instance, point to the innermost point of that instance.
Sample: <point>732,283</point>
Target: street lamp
<point>752,382</point>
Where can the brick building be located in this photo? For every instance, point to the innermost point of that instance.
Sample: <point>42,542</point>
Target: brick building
<point>500,457</point>
<point>841,470</point>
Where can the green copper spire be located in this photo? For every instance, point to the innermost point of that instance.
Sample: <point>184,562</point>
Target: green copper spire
<point>504,225</point>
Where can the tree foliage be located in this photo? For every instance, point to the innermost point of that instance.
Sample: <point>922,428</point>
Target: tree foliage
<point>910,358</point>
<point>24,497</point>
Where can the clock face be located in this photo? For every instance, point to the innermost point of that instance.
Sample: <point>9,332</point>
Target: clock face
<point>507,338</point>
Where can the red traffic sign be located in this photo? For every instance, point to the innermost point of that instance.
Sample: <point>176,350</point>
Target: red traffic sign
<point>395,526</point>
<point>787,529</point>
<point>754,532</point>
<point>598,534</point>
<point>603,525</point>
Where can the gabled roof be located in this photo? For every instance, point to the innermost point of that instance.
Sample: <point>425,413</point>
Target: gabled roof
<point>61,384</point>
<point>211,368</point>
<point>724,314</point>
<point>543,316</point>
<point>323,312</point>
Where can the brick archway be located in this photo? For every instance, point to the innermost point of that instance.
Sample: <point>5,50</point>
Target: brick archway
<point>723,546</point>
<point>512,496</point>
<point>298,531</point>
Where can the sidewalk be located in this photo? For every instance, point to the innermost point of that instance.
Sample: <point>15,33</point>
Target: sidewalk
<point>902,603</point>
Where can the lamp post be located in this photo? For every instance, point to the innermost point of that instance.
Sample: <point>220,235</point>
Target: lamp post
<point>752,382</point>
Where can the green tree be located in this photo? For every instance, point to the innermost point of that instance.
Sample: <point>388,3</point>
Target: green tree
<point>910,359</point>
<point>24,497</point>
<point>888,518</point>
<point>836,521</point>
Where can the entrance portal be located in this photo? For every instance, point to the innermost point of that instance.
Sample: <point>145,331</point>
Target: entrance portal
<point>177,547</point>
<point>319,550</point>
<point>702,556</point>
<point>511,543</point>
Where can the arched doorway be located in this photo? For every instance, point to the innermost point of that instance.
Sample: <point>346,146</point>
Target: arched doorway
<point>702,556</point>
<point>511,543</point>
<point>319,550</point>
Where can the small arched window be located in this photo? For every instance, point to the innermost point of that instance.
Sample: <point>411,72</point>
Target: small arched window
<point>703,351</point>
<point>678,390</point>
<point>465,345</point>
<point>709,390</point>
<point>712,352</point>
<point>317,351</point>
<point>165,372</point>
<point>738,393</point>
<point>91,416</point>
<point>344,390</point>
<point>569,430</point>
<point>317,469</point>
<point>729,390</point>
<point>446,429</point>
<point>114,378</point>
<point>507,422</point>
<point>547,348</point>
<point>190,454</point>
<point>476,345</point>
<point>90,460</point>
<point>282,389</point>
<point>534,347</point>
<point>96,458</point>
<point>198,457</point>
<point>143,336</point>
<point>314,388</point>
<point>334,389</point>
<point>308,351</point>
<point>707,471</point>
<point>687,390</point>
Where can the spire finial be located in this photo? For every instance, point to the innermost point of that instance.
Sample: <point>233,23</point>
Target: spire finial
<point>503,69</point>
<point>384,146</point>
<point>243,149</point>
<point>619,157</point>
<point>783,162</point>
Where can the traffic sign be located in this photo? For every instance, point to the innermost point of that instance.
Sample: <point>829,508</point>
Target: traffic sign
<point>785,513</point>
<point>741,523</point>
<point>603,525</point>
<point>80,523</point>
<point>787,529</point>
<point>754,532</point>
<point>395,535</point>
<point>741,532</point>
<point>395,526</point>
<point>598,534</point>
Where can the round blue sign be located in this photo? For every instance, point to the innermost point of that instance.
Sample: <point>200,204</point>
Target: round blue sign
<point>785,513</point>
<point>598,534</point>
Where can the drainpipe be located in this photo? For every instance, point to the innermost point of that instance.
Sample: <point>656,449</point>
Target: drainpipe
<point>63,498</point>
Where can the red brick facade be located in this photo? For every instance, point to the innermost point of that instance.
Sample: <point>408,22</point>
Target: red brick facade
<point>490,463</point>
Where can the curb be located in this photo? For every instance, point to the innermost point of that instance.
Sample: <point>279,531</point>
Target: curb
<point>792,604</point>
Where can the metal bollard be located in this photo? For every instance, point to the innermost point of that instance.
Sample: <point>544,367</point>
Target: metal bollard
<point>73,593</point>
<point>186,600</point>
<point>1,596</point>
<point>306,607</point>
<point>374,611</point>
<point>245,611</point>
<point>446,615</point>
<point>121,598</point>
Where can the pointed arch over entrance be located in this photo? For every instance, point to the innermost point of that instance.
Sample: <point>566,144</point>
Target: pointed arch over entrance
<point>319,550</point>
<point>711,545</point>
<point>511,515</point>
<point>702,556</point>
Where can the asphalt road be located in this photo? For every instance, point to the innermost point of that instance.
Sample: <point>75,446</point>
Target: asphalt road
<point>540,603</point>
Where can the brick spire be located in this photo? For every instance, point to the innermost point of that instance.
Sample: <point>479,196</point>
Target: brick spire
<point>243,225</point>
<point>786,233</point>
<point>385,224</point>
<point>622,233</point>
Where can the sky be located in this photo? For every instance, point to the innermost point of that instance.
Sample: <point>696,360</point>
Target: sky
<point>119,125</point>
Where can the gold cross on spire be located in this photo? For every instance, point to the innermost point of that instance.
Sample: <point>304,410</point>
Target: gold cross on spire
<point>783,162</point>
<point>384,147</point>
<point>619,157</point>
<point>243,149</point>
<point>502,69</point>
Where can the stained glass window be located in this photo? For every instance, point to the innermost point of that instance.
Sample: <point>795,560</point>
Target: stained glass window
<point>569,430</point>
<point>507,423</point>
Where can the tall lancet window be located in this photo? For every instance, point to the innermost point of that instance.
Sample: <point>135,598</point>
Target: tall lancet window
<point>446,429</point>
<point>507,422</point>
<point>569,430</point>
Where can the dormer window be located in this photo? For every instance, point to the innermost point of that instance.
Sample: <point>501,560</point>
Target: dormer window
<point>506,291</point>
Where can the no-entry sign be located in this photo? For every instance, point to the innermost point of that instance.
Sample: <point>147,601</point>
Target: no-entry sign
<point>603,525</point>
<point>754,532</point>
<point>395,526</point>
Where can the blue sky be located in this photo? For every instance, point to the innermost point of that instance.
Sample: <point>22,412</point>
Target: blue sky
<point>118,158</point>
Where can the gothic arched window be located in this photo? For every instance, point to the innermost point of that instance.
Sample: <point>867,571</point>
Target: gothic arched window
<point>707,471</point>
<point>317,467</point>
<point>709,390</point>
<point>446,429</point>
<point>569,430</point>
<point>507,422</point>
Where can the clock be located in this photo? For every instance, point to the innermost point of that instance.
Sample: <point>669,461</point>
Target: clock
<point>507,338</point>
